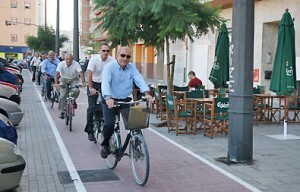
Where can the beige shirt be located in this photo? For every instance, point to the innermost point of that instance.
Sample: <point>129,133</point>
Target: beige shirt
<point>70,72</point>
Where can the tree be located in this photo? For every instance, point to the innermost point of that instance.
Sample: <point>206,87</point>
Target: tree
<point>156,22</point>
<point>45,40</point>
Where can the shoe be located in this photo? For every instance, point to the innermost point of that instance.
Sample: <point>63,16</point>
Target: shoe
<point>62,115</point>
<point>42,93</point>
<point>104,152</point>
<point>75,105</point>
<point>91,137</point>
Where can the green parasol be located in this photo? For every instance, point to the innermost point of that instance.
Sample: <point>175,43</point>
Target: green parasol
<point>219,74</point>
<point>283,79</point>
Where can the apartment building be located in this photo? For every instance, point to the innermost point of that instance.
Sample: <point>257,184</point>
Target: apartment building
<point>17,22</point>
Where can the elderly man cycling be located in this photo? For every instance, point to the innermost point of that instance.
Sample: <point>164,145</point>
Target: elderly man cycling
<point>68,71</point>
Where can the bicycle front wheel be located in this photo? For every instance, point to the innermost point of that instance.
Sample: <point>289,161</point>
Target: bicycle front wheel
<point>70,114</point>
<point>111,161</point>
<point>139,157</point>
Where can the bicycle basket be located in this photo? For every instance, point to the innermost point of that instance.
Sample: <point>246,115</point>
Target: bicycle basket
<point>136,118</point>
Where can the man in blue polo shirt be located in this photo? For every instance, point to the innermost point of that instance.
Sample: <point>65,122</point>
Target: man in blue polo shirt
<point>49,66</point>
<point>117,81</point>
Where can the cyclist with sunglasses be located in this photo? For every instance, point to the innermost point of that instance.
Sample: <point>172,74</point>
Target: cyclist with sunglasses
<point>94,76</point>
<point>117,80</point>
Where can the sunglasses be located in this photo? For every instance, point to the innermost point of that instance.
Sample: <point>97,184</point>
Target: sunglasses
<point>105,51</point>
<point>127,56</point>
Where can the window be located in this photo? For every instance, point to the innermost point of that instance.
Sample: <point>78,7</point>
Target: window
<point>25,37</point>
<point>13,4</point>
<point>27,5</point>
<point>13,20</point>
<point>27,21</point>
<point>14,37</point>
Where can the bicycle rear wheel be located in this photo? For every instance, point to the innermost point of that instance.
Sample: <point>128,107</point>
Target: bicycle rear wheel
<point>111,161</point>
<point>139,157</point>
<point>70,114</point>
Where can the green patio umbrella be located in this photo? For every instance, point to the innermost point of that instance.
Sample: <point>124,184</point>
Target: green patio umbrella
<point>283,79</point>
<point>219,74</point>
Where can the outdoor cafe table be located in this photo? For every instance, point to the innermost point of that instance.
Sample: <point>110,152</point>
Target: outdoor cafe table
<point>265,103</point>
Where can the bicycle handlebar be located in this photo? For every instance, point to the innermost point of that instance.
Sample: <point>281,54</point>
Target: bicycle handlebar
<point>69,86</point>
<point>132,103</point>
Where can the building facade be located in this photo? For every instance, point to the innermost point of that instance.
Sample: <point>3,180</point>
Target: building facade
<point>18,21</point>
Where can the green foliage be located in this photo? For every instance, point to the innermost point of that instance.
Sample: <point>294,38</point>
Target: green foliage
<point>128,21</point>
<point>93,48</point>
<point>45,40</point>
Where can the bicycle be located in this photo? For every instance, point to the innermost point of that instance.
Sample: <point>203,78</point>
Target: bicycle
<point>97,122</point>
<point>135,120</point>
<point>54,97</point>
<point>69,109</point>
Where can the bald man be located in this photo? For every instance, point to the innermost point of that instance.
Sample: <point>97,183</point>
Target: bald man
<point>49,66</point>
<point>68,71</point>
<point>117,83</point>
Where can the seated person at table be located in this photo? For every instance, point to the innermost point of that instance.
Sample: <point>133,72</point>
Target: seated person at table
<point>194,81</point>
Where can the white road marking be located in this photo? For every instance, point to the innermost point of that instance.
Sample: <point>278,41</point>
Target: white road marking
<point>245,184</point>
<point>68,161</point>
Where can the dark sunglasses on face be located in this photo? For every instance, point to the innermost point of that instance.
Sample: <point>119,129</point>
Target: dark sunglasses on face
<point>127,56</point>
<point>105,51</point>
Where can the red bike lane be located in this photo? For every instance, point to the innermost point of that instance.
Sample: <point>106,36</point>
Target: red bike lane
<point>171,168</point>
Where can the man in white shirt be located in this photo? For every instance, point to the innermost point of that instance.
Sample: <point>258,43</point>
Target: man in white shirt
<point>94,73</point>
<point>35,62</point>
<point>68,70</point>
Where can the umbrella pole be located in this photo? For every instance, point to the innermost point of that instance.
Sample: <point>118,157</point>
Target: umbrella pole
<point>285,118</point>
<point>285,128</point>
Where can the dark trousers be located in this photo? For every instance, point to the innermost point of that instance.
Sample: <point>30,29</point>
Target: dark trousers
<point>33,73</point>
<point>109,121</point>
<point>92,100</point>
<point>48,86</point>
<point>39,77</point>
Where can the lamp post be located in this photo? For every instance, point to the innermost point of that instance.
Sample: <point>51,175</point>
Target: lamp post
<point>57,30</point>
<point>76,33</point>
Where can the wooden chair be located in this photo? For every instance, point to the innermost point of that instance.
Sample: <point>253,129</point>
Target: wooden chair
<point>262,88</point>
<point>176,88</point>
<point>216,116</point>
<point>162,92</point>
<point>176,110</point>
<point>293,106</point>
<point>199,106</point>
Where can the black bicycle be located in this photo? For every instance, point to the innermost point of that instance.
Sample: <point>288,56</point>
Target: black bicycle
<point>97,119</point>
<point>135,119</point>
<point>54,96</point>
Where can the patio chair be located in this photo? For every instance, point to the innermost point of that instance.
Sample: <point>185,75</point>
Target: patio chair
<point>176,111</point>
<point>199,106</point>
<point>293,106</point>
<point>216,117</point>
<point>176,88</point>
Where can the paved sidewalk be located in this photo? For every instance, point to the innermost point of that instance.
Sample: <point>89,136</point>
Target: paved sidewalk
<point>276,166</point>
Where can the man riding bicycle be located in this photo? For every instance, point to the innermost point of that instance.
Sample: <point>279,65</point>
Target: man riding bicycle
<point>49,66</point>
<point>94,76</point>
<point>117,80</point>
<point>68,71</point>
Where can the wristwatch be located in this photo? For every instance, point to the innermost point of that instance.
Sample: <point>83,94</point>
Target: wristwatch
<point>107,97</point>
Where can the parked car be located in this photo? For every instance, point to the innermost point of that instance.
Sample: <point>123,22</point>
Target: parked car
<point>11,75</point>
<point>9,91</point>
<point>12,165</point>
<point>11,110</point>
